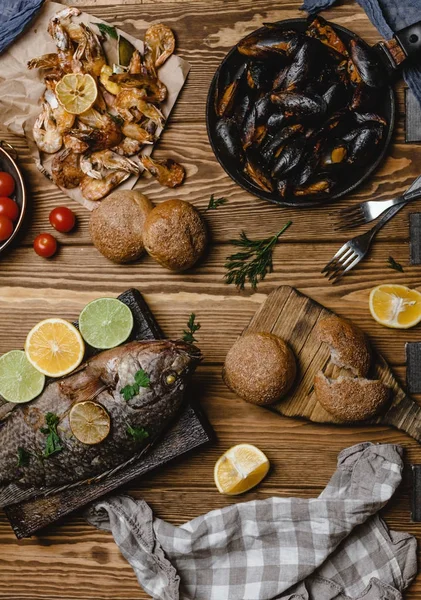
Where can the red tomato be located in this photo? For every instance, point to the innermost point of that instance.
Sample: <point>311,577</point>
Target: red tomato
<point>9,208</point>
<point>7,184</point>
<point>6,228</point>
<point>45,245</point>
<point>62,219</point>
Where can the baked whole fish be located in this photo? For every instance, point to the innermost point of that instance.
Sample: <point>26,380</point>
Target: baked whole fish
<point>102,379</point>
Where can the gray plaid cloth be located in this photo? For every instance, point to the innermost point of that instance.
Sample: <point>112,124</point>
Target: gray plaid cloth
<point>334,547</point>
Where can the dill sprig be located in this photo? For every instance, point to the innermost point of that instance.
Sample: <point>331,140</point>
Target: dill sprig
<point>254,262</point>
<point>192,327</point>
<point>215,202</point>
<point>394,265</point>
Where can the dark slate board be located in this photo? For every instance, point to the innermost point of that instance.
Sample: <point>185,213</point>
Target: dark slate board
<point>416,494</point>
<point>413,367</point>
<point>415,238</point>
<point>191,431</point>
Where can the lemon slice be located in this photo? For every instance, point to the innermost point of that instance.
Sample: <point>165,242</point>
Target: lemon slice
<point>76,92</point>
<point>89,422</point>
<point>54,347</point>
<point>241,468</point>
<point>19,380</point>
<point>395,306</point>
<point>106,323</point>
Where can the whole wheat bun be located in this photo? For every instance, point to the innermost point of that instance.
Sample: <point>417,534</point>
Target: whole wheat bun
<point>260,368</point>
<point>116,226</point>
<point>350,399</point>
<point>175,235</point>
<point>349,346</point>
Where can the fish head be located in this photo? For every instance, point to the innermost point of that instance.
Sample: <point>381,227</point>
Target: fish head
<point>166,367</point>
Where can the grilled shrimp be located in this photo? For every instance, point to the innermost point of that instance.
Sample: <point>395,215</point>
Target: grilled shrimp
<point>65,169</point>
<point>63,119</point>
<point>45,61</point>
<point>95,189</point>
<point>89,52</point>
<point>152,88</point>
<point>130,100</point>
<point>128,147</point>
<point>167,172</point>
<point>46,134</point>
<point>98,164</point>
<point>137,132</point>
<point>160,43</point>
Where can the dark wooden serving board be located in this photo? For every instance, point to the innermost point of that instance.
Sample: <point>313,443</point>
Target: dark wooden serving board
<point>292,316</point>
<point>190,431</point>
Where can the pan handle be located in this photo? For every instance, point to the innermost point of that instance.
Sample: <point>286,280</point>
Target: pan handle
<point>410,39</point>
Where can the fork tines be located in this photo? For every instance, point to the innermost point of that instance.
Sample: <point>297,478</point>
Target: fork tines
<point>350,217</point>
<point>344,260</point>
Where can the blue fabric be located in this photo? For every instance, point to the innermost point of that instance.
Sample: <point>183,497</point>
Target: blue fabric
<point>15,16</point>
<point>388,16</point>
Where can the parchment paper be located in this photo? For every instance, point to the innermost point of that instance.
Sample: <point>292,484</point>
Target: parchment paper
<point>21,88</point>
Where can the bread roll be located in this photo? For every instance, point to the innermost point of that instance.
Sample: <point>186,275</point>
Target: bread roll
<point>349,346</point>
<point>350,399</point>
<point>260,368</point>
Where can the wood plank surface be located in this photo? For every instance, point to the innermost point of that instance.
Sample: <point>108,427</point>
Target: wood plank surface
<point>72,560</point>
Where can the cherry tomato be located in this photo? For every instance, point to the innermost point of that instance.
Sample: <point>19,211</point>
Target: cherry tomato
<point>7,184</point>
<point>62,219</point>
<point>9,208</point>
<point>6,228</point>
<point>45,245</point>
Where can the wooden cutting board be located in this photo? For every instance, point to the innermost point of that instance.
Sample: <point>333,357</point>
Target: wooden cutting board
<point>190,431</point>
<point>293,316</point>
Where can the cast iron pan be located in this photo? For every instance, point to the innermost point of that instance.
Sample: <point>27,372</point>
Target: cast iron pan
<point>232,62</point>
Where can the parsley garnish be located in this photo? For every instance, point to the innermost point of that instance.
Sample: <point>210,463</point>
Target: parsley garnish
<point>138,433</point>
<point>192,327</point>
<point>254,262</point>
<point>52,443</point>
<point>23,457</point>
<point>215,202</point>
<point>394,265</point>
<point>108,30</point>
<point>141,379</point>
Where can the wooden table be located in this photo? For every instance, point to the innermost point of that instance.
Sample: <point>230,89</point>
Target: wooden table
<point>74,561</point>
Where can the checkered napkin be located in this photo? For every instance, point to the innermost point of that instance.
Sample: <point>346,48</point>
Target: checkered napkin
<point>333,547</point>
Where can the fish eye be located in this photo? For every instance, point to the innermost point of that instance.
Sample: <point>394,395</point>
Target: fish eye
<point>171,378</point>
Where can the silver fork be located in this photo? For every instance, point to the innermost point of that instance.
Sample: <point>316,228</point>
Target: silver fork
<point>353,251</point>
<point>366,212</point>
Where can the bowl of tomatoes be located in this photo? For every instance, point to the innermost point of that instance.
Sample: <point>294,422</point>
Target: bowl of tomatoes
<point>12,196</point>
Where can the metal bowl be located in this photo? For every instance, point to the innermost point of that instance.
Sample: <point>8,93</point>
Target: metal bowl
<point>232,61</point>
<point>8,157</point>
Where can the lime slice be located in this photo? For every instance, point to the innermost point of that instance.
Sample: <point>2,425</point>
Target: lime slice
<point>19,380</point>
<point>105,323</point>
<point>125,51</point>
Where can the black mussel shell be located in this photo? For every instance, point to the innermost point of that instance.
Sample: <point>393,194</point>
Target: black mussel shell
<point>243,109</point>
<point>270,41</point>
<point>260,76</point>
<point>228,140</point>
<point>289,157</point>
<point>227,98</point>
<point>257,174</point>
<point>362,145</point>
<point>299,105</point>
<point>367,64</point>
<point>276,121</point>
<point>309,164</point>
<point>317,187</point>
<point>336,97</point>
<point>321,30</point>
<point>273,144</point>
<point>264,109</point>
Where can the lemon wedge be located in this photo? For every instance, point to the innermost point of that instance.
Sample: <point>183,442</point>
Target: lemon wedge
<point>54,347</point>
<point>395,306</point>
<point>89,422</point>
<point>76,92</point>
<point>239,469</point>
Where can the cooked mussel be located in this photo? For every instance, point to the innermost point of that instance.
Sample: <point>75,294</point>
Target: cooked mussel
<point>241,112</point>
<point>363,144</point>
<point>272,146</point>
<point>369,118</point>
<point>289,157</point>
<point>335,154</point>
<point>299,105</point>
<point>276,121</point>
<point>257,175</point>
<point>270,41</point>
<point>364,97</point>
<point>260,76</point>
<point>228,140</point>
<point>364,65</point>
<point>226,99</point>
<point>320,29</point>
<point>309,163</point>
<point>336,97</point>
<point>315,188</point>
<point>252,131</point>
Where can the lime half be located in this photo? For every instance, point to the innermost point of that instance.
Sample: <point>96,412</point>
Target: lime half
<point>19,380</point>
<point>105,323</point>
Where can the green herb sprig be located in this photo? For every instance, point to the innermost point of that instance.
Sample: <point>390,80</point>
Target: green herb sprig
<point>141,379</point>
<point>139,434</point>
<point>192,327</point>
<point>254,262</point>
<point>53,442</point>
<point>392,264</point>
<point>23,457</point>
<point>215,202</point>
<point>108,30</point>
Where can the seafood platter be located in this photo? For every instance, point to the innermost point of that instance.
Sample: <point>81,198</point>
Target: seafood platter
<point>300,112</point>
<point>104,105</point>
